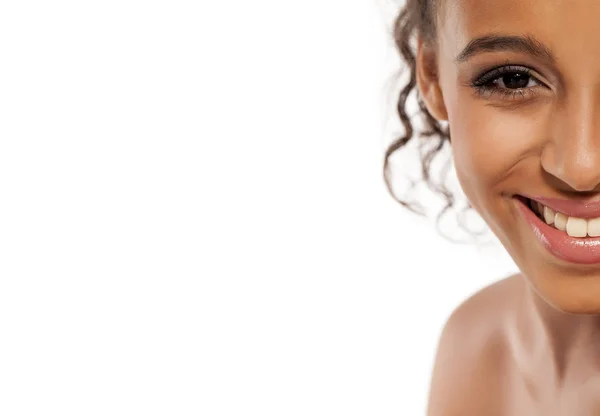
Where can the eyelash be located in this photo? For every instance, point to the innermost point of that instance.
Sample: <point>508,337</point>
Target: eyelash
<point>482,87</point>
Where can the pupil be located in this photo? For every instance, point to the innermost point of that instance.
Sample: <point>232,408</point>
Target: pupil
<point>515,80</point>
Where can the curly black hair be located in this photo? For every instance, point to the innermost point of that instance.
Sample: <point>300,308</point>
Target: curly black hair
<point>418,18</point>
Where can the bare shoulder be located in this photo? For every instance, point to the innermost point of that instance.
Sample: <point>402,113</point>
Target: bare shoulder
<point>470,369</point>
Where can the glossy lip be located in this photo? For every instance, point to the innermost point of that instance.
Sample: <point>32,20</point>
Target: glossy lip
<point>584,250</point>
<point>570,207</point>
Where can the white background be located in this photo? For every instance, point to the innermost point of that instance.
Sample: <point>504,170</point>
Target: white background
<point>193,219</point>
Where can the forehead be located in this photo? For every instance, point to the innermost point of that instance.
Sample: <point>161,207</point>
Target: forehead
<point>563,25</point>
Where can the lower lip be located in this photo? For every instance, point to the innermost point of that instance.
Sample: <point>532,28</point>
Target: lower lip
<point>559,243</point>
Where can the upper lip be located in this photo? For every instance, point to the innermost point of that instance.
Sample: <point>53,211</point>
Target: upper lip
<point>570,207</point>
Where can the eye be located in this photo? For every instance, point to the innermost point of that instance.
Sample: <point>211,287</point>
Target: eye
<point>511,82</point>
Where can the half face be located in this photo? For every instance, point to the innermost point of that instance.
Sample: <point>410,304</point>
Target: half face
<point>519,82</point>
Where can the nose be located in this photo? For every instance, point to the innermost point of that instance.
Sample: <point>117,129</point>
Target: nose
<point>573,154</point>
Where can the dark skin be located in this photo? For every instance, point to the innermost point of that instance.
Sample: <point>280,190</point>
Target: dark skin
<point>529,344</point>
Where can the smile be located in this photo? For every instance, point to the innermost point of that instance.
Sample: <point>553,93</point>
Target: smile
<point>572,225</point>
<point>568,229</point>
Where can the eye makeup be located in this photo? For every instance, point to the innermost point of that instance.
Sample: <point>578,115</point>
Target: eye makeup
<point>509,82</point>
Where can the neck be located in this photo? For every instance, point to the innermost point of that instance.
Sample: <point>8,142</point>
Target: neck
<point>565,343</point>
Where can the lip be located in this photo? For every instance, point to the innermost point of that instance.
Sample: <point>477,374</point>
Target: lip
<point>569,207</point>
<point>559,243</point>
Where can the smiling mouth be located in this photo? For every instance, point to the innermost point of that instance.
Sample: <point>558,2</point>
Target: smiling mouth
<point>570,225</point>
<point>572,239</point>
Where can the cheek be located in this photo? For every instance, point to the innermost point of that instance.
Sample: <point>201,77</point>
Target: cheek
<point>488,144</point>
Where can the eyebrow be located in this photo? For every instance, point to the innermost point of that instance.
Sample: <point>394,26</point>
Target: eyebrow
<point>524,44</point>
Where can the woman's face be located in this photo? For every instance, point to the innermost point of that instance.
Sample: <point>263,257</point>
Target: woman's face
<point>531,129</point>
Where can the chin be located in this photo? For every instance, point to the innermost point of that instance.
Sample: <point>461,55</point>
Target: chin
<point>561,264</point>
<point>571,293</point>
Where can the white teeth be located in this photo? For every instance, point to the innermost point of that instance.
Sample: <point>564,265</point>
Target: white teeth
<point>576,227</point>
<point>549,215</point>
<point>573,226</point>
<point>593,227</point>
<point>560,221</point>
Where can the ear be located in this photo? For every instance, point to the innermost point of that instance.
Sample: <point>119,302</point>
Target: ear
<point>428,81</point>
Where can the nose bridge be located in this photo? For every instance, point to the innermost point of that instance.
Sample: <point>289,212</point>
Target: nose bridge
<point>576,140</point>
